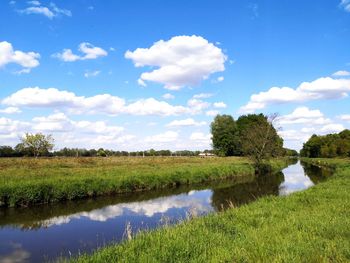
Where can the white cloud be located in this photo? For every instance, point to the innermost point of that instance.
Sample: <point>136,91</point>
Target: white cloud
<point>181,61</point>
<point>220,79</point>
<point>332,128</point>
<point>341,73</point>
<point>168,96</point>
<point>9,127</point>
<point>33,2</point>
<point>10,110</point>
<point>66,131</point>
<point>98,104</point>
<point>212,113</point>
<point>168,136</point>
<point>345,4</point>
<point>303,115</point>
<point>203,96</point>
<point>50,12</point>
<point>90,74</point>
<point>186,122</point>
<point>345,117</point>
<point>8,55</point>
<point>197,105</point>
<point>141,83</point>
<point>322,88</point>
<point>201,137</point>
<point>89,52</point>
<point>152,106</point>
<point>219,105</point>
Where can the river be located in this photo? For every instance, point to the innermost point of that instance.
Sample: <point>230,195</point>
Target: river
<point>46,232</point>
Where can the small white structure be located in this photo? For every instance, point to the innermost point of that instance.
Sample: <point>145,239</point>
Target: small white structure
<point>203,155</point>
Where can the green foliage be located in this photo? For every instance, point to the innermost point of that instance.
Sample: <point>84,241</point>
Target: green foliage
<point>308,226</point>
<point>27,181</point>
<point>252,135</point>
<point>225,135</point>
<point>327,146</point>
<point>101,153</point>
<point>36,144</point>
<point>290,152</point>
<point>258,137</point>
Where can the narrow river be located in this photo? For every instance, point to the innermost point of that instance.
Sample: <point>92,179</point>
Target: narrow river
<point>47,232</point>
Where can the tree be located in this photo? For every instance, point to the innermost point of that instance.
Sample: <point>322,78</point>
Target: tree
<point>330,145</point>
<point>6,151</point>
<point>225,135</point>
<point>101,153</point>
<point>36,144</point>
<point>258,137</point>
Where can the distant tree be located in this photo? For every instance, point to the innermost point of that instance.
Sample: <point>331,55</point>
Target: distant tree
<point>6,151</point>
<point>290,152</point>
<point>36,144</point>
<point>101,153</point>
<point>327,146</point>
<point>225,135</point>
<point>258,137</point>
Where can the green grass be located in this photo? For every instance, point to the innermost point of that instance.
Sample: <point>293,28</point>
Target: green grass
<point>28,181</point>
<point>308,226</point>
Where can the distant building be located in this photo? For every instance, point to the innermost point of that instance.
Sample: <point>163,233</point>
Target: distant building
<point>203,155</point>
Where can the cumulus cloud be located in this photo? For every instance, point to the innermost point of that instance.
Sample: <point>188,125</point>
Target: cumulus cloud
<point>168,136</point>
<point>220,79</point>
<point>168,96</point>
<point>10,110</point>
<point>332,128</point>
<point>89,52</point>
<point>341,73</point>
<point>66,131</point>
<point>180,61</point>
<point>203,96</point>
<point>90,74</point>
<point>35,97</point>
<point>201,137</point>
<point>303,115</point>
<point>303,122</point>
<point>212,113</point>
<point>27,60</point>
<point>219,105</point>
<point>345,4</point>
<point>186,122</point>
<point>197,105</point>
<point>345,117</point>
<point>50,12</point>
<point>322,88</point>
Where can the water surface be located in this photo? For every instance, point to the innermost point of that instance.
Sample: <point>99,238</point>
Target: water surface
<point>49,231</point>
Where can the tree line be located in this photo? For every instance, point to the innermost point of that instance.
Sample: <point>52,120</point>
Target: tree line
<point>35,145</point>
<point>327,146</point>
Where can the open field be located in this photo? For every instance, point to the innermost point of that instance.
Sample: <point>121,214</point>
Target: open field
<point>308,226</point>
<point>26,181</point>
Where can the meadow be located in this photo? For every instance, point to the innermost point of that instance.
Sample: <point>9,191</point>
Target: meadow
<point>308,226</point>
<point>29,181</point>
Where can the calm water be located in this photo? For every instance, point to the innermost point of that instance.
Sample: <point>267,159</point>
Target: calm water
<point>46,232</point>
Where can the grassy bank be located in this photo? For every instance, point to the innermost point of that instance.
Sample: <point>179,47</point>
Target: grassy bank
<point>308,226</point>
<point>30,181</point>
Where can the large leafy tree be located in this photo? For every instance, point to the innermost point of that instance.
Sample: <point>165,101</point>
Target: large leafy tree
<point>225,135</point>
<point>258,137</point>
<point>36,144</point>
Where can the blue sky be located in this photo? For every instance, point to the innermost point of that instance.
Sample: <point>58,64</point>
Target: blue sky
<point>130,75</point>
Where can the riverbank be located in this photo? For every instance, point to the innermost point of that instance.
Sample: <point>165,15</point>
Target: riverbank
<point>308,226</point>
<point>29,181</point>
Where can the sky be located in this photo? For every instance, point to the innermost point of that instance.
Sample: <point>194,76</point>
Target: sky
<point>136,75</point>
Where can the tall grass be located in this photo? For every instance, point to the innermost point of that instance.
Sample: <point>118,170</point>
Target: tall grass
<point>308,226</point>
<point>30,181</point>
